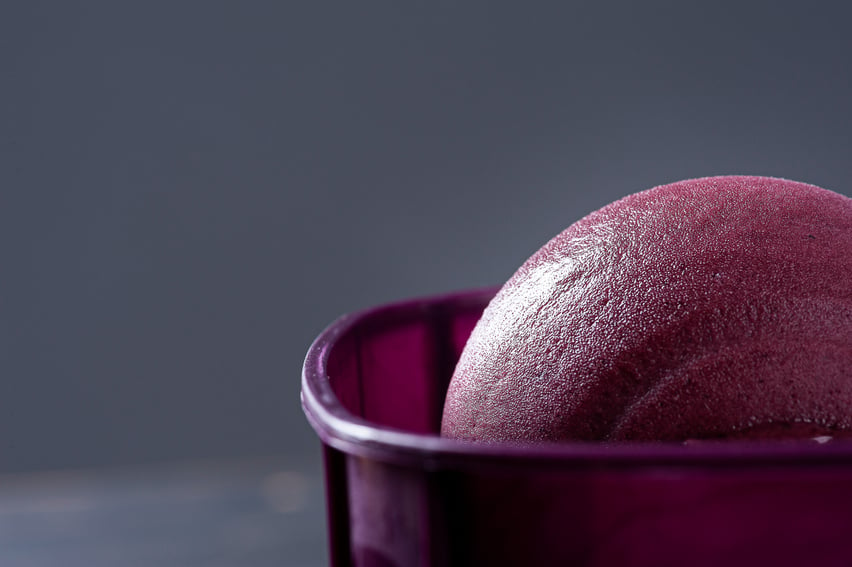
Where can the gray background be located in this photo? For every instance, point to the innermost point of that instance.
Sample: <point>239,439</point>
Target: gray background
<point>191,191</point>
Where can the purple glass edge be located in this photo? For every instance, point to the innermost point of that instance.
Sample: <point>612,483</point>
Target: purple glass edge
<point>337,427</point>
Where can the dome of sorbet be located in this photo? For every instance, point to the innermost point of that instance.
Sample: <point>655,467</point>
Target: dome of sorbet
<point>711,307</point>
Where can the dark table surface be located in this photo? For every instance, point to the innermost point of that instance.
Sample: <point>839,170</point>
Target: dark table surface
<point>255,512</point>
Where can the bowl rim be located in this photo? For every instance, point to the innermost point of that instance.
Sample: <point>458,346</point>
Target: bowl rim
<point>346,432</point>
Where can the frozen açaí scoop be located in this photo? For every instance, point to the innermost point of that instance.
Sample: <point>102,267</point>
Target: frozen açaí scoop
<point>714,307</point>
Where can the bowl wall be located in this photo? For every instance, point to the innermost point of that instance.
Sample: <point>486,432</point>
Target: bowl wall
<point>399,494</point>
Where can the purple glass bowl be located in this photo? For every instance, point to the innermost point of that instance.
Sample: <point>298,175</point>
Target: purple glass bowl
<point>399,495</point>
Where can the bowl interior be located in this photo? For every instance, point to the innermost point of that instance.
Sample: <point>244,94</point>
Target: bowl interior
<point>393,368</point>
